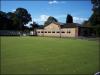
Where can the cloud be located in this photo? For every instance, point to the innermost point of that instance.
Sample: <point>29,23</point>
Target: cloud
<point>41,18</point>
<point>56,2</point>
<point>79,20</point>
<point>53,2</point>
<point>13,10</point>
<point>44,17</point>
<point>29,24</point>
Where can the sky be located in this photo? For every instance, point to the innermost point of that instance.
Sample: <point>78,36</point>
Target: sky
<point>40,10</point>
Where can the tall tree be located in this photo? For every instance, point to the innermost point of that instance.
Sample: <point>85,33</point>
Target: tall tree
<point>95,17</point>
<point>15,21</point>
<point>23,16</point>
<point>4,21</point>
<point>86,23</point>
<point>69,19</point>
<point>95,3</point>
<point>50,20</point>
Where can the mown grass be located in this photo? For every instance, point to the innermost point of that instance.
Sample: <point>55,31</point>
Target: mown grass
<point>44,55</point>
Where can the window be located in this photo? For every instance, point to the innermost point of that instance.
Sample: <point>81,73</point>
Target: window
<point>49,32</point>
<point>38,31</point>
<point>53,31</point>
<point>41,31</point>
<point>68,31</point>
<point>62,32</point>
<point>58,32</point>
<point>45,31</point>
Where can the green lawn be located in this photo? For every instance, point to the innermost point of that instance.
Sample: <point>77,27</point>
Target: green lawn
<point>44,55</point>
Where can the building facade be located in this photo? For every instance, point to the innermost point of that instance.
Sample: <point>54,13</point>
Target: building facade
<point>57,30</point>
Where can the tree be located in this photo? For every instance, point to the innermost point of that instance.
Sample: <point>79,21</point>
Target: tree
<point>96,3</point>
<point>50,20</point>
<point>86,24</point>
<point>4,21</point>
<point>15,21</point>
<point>23,16</point>
<point>34,26</point>
<point>69,19</point>
<point>95,17</point>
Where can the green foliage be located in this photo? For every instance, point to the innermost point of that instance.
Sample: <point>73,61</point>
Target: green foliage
<point>86,24</point>
<point>4,21</point>
<point>95,17</point>
<point>34,25</point>
<point>97,30</point>
<point>23,15</point>
<point>15,20</point>
<point>2,14</point>
<point>69,19</point>
<point>50,20</point>
<point>95,2</point>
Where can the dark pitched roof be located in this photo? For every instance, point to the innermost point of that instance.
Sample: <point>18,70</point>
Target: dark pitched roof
<point>41,27</point>
<point>70,25</point>
<point>63,25</point>
<point>58,23</point>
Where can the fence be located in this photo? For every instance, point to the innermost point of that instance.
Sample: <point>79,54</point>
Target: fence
<point>9,33</point>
